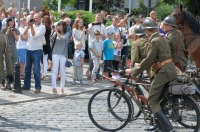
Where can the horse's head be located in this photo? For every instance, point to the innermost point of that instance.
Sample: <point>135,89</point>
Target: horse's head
<point>178,14</point>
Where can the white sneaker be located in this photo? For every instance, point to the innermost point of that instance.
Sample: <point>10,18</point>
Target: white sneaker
<point>117,77</point>
<point>114,77</point>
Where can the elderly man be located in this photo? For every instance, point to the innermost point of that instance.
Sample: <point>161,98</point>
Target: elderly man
<point>35,32</point>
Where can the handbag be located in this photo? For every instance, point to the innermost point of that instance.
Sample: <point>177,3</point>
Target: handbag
<point>68,63</point>
<point>117,57</point>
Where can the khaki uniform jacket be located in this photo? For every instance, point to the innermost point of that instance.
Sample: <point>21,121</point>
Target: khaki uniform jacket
<point>139,50</point>
<point>5,52</point>
<point>158,51</point>
<point>175,38</point>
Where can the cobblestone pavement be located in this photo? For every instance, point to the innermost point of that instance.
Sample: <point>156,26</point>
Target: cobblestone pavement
<point>66,114</point>
<point>45,112</point>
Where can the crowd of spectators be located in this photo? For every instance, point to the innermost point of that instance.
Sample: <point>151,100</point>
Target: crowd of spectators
<point>40,44</point>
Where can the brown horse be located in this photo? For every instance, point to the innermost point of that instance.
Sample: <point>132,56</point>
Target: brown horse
<point>190,27</point>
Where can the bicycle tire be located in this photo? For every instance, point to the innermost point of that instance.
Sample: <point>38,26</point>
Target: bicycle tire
<point>136,112</point>
<point>100,114</point>
<point>182,109</point>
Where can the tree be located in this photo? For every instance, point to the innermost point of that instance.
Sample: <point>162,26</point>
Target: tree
<point>191,5</point>
<point>53,4</point>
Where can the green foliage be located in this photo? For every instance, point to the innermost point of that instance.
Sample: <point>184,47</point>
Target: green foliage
<point>163,9</point>
<point>50,4</point>
<point>53,4</point>
<point>88,17</point>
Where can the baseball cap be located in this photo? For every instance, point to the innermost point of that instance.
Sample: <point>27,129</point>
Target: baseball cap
<point>9,18</point>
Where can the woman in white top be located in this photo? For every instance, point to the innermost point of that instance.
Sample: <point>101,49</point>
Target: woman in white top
<point>78,33</point>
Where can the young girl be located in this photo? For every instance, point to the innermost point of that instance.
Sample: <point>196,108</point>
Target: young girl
<point>79,33</point>
<point>118,45</point>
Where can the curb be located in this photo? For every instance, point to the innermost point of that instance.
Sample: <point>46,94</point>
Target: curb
<point>51,97</point>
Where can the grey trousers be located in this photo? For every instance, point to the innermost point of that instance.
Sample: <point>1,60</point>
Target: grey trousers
<point>78,73</point>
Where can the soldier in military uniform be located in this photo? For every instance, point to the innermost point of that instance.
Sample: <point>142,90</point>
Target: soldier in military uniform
<point>5,52</point>
<point>175,39</point>
<point>158,51</point>
<point>140,46</point>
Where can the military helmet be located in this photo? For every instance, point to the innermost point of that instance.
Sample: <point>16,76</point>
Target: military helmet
<point>149,23</point>
<point>139,30</point>
<point>170,20</point>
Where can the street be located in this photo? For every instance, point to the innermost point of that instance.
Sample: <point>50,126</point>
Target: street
<point>66,114</point>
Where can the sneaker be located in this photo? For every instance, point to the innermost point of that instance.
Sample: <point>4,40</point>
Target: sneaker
<point>117,77</point>
<point>74,83</point>
<point>23,88</point>
<point>81,83</point>
<point>37,91</point>
<point>114,77</point>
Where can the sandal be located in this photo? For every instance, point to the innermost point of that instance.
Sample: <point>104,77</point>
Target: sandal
<point>94,80</point>
<point>54,90</point>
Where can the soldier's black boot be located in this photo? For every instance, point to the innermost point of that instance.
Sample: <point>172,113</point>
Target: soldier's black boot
<point>2,85</point>
<point>163,122</point>
<point>151,128</point>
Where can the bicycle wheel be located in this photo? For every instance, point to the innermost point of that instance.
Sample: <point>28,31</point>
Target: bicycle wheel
<point>182,111</point>
<point>136,112</point>
<point>101,115</point>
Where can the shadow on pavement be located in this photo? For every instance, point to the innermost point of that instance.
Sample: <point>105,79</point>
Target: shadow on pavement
<point>4,122</point>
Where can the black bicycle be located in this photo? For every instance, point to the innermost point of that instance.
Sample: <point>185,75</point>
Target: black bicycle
<point>111,109</point>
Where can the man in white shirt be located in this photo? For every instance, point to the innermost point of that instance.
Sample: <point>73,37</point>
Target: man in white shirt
<point>93,27</point>
<point>35,32</point>
<point>114,27</point>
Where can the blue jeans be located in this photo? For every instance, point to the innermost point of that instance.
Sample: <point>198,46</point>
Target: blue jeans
<point>33,58</point>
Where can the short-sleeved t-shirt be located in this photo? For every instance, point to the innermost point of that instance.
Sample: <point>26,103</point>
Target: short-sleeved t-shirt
<point>97,45</point>
<point>78,55</point>
<point>108,50</point>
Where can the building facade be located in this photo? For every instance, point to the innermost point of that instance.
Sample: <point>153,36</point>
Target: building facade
<point>33,4</point>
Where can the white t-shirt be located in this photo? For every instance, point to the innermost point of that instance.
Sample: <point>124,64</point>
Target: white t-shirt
<point>118,50</point>
<point>79,35</point>
<point>21,44</point>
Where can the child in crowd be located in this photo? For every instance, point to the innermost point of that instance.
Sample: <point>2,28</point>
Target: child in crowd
<point>108,52</point>
<point>78,64</point>
<point>118,45</point>
<point>96,48</point>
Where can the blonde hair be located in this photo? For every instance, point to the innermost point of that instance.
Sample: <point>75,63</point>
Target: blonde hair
<point>152,13</point>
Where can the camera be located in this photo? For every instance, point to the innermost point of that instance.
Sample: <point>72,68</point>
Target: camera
<point>96,23</point>
<point>12,28</point>
<point>32,20</point>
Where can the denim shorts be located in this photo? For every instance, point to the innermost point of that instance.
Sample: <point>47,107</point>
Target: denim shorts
<point>21,53</point>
